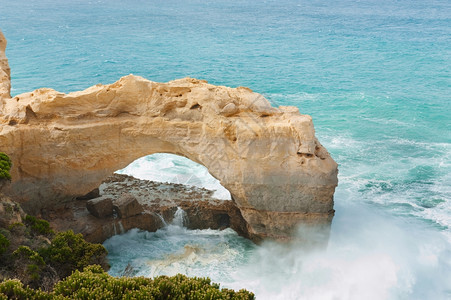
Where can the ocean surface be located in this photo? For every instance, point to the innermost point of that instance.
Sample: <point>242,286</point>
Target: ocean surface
<point>374,75</point>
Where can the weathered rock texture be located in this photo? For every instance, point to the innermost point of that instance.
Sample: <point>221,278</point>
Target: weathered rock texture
<point>162,200</point>
<point>100,207</point>
<point>127,206</point>
<point>96,221</point>
<point>64,145</point>
<point>5,77</point>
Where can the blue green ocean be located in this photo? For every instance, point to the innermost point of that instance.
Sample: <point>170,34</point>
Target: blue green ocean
<point>374,75</point>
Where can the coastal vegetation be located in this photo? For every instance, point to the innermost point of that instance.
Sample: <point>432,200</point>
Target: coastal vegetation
<point>5,166</point>
<point>39,263</point>
<point>94,283</point>
<point>32,253</point>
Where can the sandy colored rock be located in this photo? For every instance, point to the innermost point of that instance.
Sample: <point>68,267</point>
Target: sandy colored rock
<point>229,110</point>
<point>63,145</point>
<point>5,72</point>
<point>100,207</point>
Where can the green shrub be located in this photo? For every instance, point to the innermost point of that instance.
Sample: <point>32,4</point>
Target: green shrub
<point>38,226</point>
<point>32,261</point>
<point>13,226</point>
<point>14,289</point>
<point>17,230</point>
<point>5,166</point>
<point>4,244</point>
<point>69,251</point>
<point>94,283</point>
<point>26,252</point>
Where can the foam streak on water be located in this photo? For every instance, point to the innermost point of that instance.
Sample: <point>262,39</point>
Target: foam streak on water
<point>175,249</point>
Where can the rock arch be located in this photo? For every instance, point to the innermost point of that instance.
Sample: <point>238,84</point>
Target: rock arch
<point>64,145</point>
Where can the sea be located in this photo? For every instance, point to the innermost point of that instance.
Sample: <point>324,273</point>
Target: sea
<point>375,75</point>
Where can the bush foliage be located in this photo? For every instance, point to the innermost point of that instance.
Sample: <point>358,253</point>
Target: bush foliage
<point>94,283</point>
<point>29,263</point>
<point>38,226</point>
<point>40,262</point>
<point>69,251</point>
<point>4,243</point>
<point>5,166</point>
<point>68,267</point>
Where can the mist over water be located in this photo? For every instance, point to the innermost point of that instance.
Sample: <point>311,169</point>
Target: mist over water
<point>375,77</point>
<point>370,255</point>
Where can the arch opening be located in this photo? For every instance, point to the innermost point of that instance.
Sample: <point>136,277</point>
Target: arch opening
<point>172,168</point>
<point>149,192</point>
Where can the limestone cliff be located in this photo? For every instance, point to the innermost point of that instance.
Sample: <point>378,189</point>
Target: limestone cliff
<point>64,145</point>
<point>5,76</point>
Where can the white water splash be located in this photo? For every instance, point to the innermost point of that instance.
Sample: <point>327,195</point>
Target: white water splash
<point>180,218</point>
<point>370,256</point>
<point>371,253</point>
<point>162,219</point>
<point>171,168</point>
<point>121,227</point>
<point>114,228</point>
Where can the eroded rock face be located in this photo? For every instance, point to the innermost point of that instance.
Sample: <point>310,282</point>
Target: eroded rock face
<point>94,218</point>
<point>5,76</point>
<point>127,206</point>
<point>100,207</point>
<point>63,145</point>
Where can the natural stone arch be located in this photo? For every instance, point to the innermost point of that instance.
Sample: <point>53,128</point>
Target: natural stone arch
<point>64,145</point>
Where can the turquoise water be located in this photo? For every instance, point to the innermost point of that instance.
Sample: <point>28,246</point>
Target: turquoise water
<point>374,75</point>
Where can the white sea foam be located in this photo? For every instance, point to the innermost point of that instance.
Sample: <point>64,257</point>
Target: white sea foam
<point>398,252</point>
<point>171,168</point>
<point>180,218</point>
<point>370,256</point>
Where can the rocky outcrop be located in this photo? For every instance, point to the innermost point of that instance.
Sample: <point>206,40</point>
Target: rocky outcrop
<point>127,206</point>
<point>100,207</point>
<point>63,145</point>
<point>162,200</point>
<point>5,74</point>
<point>158,204</point>
<point>10,212</point>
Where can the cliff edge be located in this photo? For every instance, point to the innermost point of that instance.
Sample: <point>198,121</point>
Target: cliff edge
<point>5,76</point>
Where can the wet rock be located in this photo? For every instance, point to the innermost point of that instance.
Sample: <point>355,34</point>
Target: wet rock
<point>214,214</point>
<point>127,206</point>
<point>91,195</point>
<point>100,207</point>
